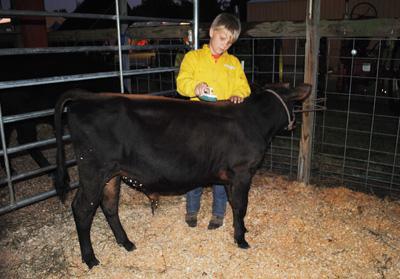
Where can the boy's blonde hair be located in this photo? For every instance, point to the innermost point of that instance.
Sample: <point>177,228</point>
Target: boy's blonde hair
<point>228,22</point>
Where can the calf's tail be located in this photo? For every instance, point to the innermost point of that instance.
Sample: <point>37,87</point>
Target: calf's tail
<point>62,178</point>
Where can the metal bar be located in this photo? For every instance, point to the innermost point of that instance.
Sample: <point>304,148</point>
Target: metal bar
<point>373,112</point>
<point>394,156</point>
<point>6,160</point>
<point>358,181</point>
<point>348,114</point>
<point>159,75</point>
<point>34,173</point>
<point>196,24</point>
<point>252,60</point>
<point>123,11</point>
<point>295,61</point>
<point>354,148</point>
<point>172,63</point>
<point>294,85</point>
<point>121,75</point>
<point>337,157</point>
<point>23,51</point>
<point>358,131</point>
<point>14,13</point>
<point>328,41</point>
<point>273,60</point>
<point>29,115</point>
<point>78,77</point>
<point>155,24</point>
<point>364,113</point>
<point>27,146</point>
<point>32,200</point>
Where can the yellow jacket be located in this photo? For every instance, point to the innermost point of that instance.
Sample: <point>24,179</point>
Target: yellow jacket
<point>225,75</point>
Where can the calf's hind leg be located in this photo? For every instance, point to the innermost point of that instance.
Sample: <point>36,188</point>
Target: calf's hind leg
<point>109,205</point>
<point>84,209</point>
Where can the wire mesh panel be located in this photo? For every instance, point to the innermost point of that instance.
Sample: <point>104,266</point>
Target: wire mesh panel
<point>268,61</point>
<point>356,139</point>
<point>359,132</point>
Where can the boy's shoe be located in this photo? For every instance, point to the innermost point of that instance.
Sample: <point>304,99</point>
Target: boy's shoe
<point>191,219</point>
<point>215,222</point>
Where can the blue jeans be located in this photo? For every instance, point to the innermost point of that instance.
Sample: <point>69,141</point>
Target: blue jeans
<point>219,200</point>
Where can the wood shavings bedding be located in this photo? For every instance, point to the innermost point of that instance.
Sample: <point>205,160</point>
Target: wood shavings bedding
<point>295,231</point>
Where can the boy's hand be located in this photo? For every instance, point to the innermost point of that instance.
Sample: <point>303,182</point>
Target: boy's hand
<point>200,88</point>
<point>236,99</point>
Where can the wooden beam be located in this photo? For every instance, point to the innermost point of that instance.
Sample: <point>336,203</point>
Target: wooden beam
<point>378,27</point>
<point>310,77</point>
<point>381,27</point>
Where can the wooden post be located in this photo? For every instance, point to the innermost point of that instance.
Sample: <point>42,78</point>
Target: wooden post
<point>310,76</point>
<point>33,28</point>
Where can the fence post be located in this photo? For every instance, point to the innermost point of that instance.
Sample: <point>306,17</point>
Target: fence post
<point>310,76</point>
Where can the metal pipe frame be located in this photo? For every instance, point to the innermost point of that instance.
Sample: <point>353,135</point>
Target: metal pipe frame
<point>17,13</point>
<point>140,21</point>
<point>27,146</point>
<point>32,200</point>
<point>35,173</point>
<point>79,77</point>
<point>29,115</point>
<point>196,24</point>
<point>6,160</point>
<point>42,50</point>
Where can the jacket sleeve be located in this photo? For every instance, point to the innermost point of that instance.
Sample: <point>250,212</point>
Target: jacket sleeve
<point>242,87</point>
<point>185,82</point>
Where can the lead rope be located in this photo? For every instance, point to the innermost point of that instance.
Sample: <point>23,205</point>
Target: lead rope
<point>291,120</point>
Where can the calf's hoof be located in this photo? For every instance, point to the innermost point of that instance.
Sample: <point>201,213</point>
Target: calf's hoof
<point>128,245</point>
<point>90,261</point>
<point>243,244</point>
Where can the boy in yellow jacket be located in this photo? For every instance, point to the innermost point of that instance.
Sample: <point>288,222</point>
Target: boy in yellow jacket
<point>213,67</point>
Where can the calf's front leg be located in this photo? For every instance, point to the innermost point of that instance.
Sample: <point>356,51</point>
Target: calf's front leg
<point>239,199</point>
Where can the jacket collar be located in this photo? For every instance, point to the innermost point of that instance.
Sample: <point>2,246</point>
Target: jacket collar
<point>208,50</point>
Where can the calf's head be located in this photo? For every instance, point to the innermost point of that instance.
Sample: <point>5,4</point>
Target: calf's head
<point>281,97</point>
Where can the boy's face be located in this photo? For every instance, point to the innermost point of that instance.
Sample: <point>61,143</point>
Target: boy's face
<point>220,40</point>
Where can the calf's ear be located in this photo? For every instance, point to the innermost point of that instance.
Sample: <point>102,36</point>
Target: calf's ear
<point>300,92</point>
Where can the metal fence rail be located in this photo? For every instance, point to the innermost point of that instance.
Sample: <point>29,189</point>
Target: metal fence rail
<point>44,50</point>
<point>80,77</point>
<point>17,13</point>
<point>137,74</point>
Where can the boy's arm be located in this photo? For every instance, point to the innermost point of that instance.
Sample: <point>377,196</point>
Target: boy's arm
<point>185,82</point>
<point>242,87</point>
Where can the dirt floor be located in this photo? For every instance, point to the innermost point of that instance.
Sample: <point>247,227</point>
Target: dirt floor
<point>295,231</point>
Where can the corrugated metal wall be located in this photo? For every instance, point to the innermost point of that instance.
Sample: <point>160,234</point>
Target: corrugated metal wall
<point>295,10</point>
